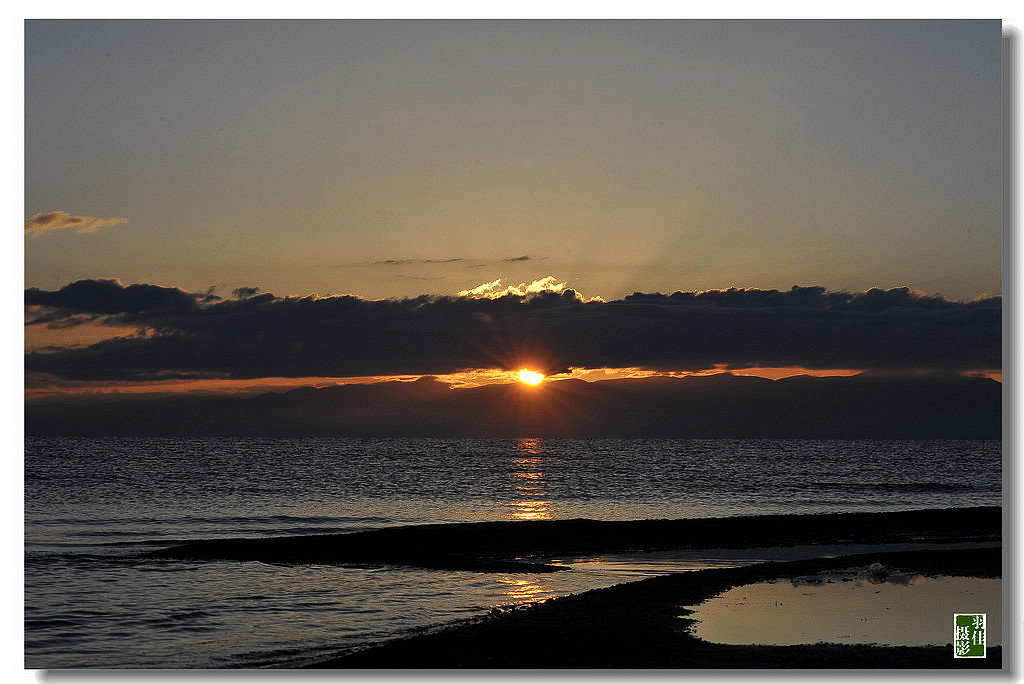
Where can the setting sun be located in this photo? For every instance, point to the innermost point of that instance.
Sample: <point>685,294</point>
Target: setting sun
<point>530,377</point>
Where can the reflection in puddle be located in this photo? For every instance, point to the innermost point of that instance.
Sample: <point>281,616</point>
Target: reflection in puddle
<point>893,610</point>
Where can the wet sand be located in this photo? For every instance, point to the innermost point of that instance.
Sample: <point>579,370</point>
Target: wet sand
<point>638,626</point>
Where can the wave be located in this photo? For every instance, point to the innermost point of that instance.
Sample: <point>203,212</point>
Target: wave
<point>896,486</point>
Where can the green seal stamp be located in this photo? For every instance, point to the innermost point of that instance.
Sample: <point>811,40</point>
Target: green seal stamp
<point>969,635</point>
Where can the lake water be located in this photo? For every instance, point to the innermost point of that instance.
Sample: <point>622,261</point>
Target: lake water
<point>93,507</point>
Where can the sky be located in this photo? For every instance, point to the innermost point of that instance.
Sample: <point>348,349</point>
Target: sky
<point>393,160</point>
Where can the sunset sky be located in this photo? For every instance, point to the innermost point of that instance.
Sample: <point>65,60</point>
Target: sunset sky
<point>229,171</point>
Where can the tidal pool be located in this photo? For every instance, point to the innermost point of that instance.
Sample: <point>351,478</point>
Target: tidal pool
<point>848,608</point>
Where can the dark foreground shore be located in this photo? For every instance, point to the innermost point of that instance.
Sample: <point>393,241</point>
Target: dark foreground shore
<point>638,625</point>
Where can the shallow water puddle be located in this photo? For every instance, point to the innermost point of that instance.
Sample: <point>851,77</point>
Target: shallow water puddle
<point>893,610</point>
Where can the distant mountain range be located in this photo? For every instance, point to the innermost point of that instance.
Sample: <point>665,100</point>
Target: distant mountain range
<point>863,406</point>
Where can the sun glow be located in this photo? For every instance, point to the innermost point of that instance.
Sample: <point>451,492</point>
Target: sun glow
<point>530,377</point>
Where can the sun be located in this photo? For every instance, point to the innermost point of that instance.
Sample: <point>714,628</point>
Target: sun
<point>530,377</point>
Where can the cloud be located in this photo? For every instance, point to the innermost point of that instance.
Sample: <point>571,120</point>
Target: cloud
<point>454,260</point>
<point>484,290</point>
<point>545,285</point>
<point>402,262</point>
<point>61,220</point>
<point>544,324</point>
<point>106,299</point>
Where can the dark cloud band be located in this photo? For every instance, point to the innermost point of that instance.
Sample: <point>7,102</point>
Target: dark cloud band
<point>262,335</point>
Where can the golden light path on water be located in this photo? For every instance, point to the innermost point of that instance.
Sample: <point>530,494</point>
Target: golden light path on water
<point>530,500</point>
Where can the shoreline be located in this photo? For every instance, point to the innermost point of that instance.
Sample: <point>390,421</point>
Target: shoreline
<point>637,625</point>
<point>513,546</point>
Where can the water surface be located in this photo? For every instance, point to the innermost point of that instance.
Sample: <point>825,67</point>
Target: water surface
<point>900,610</point>
<point>94,506</point>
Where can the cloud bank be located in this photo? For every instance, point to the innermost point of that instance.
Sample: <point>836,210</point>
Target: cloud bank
<point>187,334</point>
<point>61,220</point>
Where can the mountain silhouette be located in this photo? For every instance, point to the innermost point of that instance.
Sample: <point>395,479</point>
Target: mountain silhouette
<point>863,406</point>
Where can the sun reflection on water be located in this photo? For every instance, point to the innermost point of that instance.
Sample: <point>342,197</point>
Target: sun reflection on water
<point>517,589</point>
<point>530,499</point>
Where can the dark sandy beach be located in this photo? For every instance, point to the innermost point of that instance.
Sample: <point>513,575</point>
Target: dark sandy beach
<point>637,624</point>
